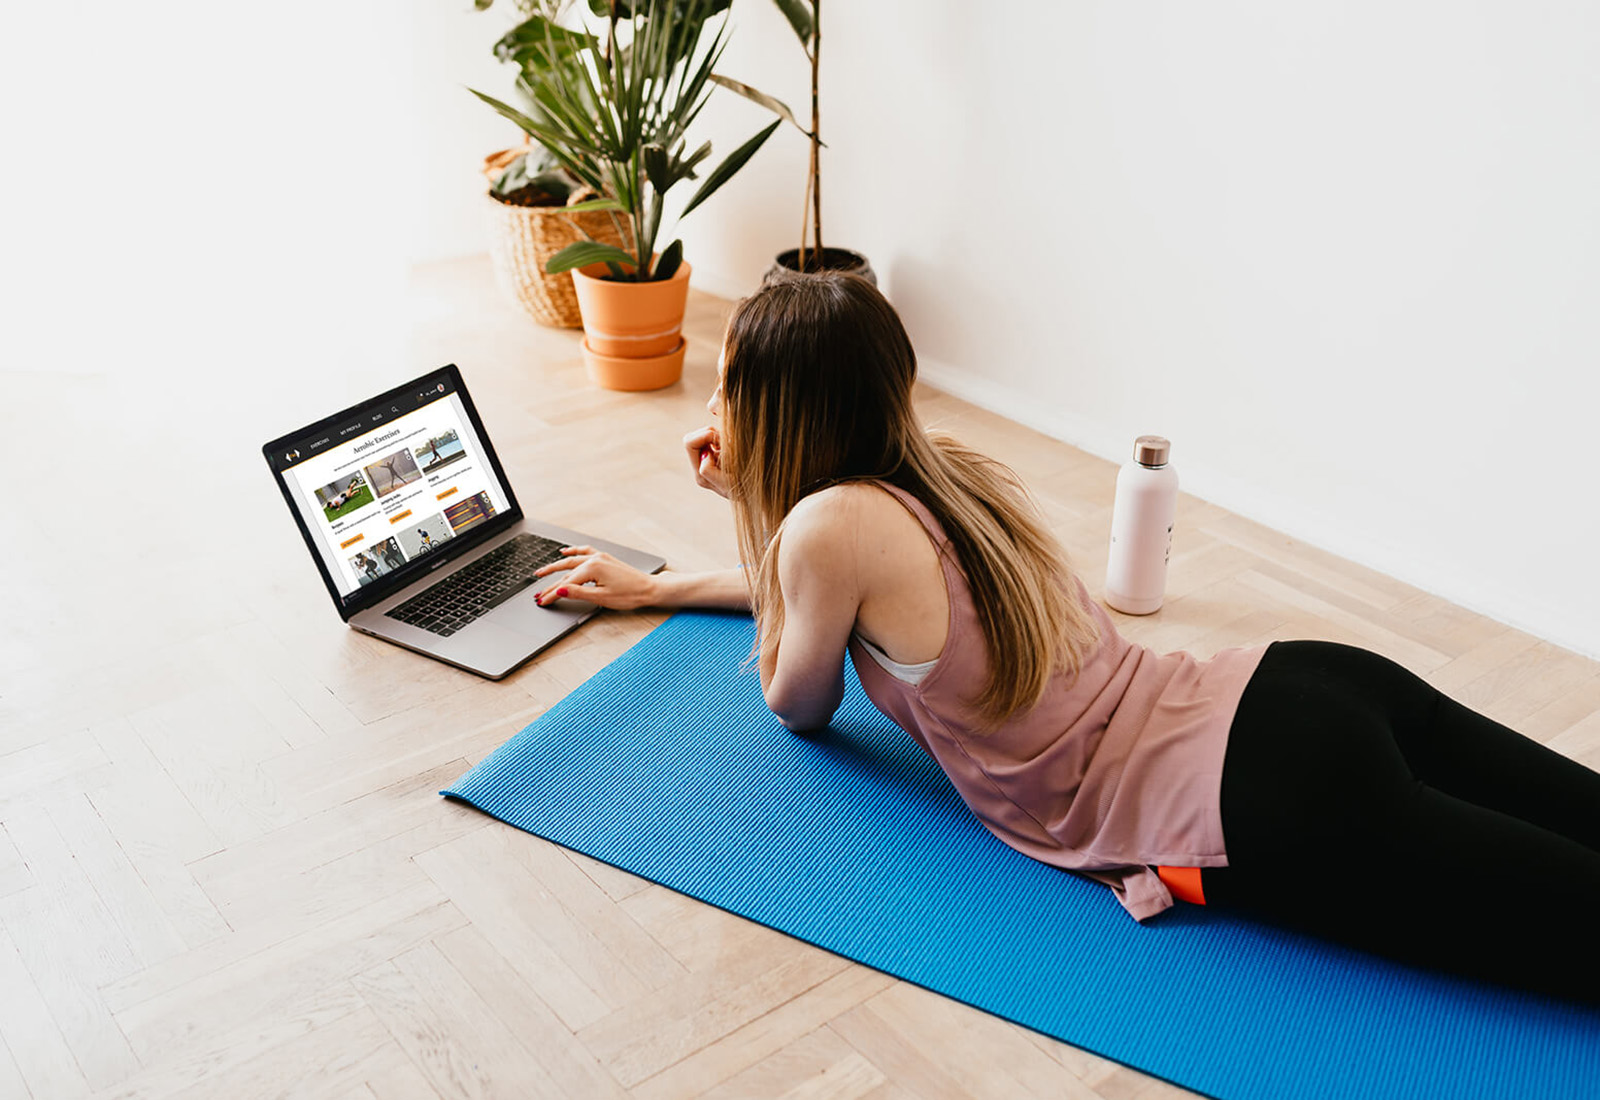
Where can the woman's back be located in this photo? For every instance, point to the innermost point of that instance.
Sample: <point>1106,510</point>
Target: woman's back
<point>1069,781</point>
<point>905,610</point>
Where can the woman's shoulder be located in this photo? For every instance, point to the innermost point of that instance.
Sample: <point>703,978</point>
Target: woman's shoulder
<point>829,515</point>
<point>857,523</point>
<point>849,506</point>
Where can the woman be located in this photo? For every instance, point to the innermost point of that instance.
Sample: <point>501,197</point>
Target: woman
<point>1308,783</point>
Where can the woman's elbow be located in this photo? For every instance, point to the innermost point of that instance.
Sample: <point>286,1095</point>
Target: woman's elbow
<point>799,717</point>
<point>805,723</point>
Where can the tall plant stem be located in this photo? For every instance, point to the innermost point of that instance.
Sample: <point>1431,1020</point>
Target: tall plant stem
<point>616,223</point>
<point>816,130</point>
<point>644,234</point>
<point>805,210</point>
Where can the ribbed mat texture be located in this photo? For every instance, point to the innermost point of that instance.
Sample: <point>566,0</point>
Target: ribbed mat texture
<point>668,764</point>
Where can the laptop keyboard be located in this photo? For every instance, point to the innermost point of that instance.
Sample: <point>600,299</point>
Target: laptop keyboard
<point>480,587</point>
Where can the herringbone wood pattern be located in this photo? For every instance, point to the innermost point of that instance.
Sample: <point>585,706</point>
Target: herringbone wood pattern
<point>224,870</point>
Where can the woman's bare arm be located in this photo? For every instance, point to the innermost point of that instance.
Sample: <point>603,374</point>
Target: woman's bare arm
<point>599,578</point>
<point>802,677</point>
<point>724,588</point>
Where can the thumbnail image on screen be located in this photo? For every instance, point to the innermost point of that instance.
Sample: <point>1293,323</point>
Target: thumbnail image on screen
<point>340,498</point>
<point>392,472</point>
<point>441,450</point>
<point>474,510</point>
<point>424,537</point>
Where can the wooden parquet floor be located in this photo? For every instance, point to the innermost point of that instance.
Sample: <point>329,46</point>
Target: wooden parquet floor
<point>224,869</point>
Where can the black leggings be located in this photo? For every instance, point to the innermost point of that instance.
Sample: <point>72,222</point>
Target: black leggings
<point>1362,805</point>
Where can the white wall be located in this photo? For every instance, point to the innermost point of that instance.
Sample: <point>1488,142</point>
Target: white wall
<point>1347,257</point>
<point>191,176</point>
<point>451,130</point>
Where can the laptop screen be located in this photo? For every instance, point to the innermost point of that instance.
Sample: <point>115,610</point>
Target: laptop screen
<point>390,482</point>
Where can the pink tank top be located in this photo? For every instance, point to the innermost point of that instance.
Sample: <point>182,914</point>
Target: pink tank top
<point>1113,773</point>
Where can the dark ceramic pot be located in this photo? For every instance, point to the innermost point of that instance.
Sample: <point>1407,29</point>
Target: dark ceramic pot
<point>833,259</point>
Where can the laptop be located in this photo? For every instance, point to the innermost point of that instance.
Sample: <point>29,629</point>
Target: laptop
<point>407,512</point>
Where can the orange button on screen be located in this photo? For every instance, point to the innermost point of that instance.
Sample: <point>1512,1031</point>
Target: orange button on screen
<point>401,516</point>
<point>446,493</point>
<point>349,542</point>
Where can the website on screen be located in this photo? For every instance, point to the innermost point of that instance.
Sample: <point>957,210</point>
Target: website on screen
<point>391,485</point>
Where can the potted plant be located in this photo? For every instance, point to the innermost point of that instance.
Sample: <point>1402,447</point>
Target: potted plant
<point>805,16</point>
<point>614,114</point>
<point>527,197</point>
<point>528,189</point>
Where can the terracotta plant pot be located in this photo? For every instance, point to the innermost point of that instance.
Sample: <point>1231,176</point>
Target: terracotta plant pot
<point>833,259</point>
<point>639,321</point>
<point>623,372</point>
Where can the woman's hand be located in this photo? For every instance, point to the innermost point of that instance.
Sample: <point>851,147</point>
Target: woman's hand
<point>705,455</point>
<point>598,578</point>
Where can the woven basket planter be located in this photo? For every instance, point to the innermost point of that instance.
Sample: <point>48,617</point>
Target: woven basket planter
<point>523,238</point>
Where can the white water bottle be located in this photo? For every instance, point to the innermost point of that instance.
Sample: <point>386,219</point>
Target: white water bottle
<point>1141,528</point>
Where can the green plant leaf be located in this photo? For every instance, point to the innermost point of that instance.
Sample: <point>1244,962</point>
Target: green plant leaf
<point>668,262</point>
<point>576,122</point>
<point>665,171</point>
<point>693,90</point>
<point>798,13</point>
<point>521,43</point>
<point>586,101</point>
<point>530,170</point>
<point>595,204</point>
<point>514,176</point>
<point>615,114</point>
<point>657,167</point>
<point>627,9</point>
<point>583,162</point>
<point>561,89</point>
<point>687,166</point>
<point>583,253</point>
<point>724,171</point>
<point>558,141</point>
<point>647,246</point>
<point>776,106</point>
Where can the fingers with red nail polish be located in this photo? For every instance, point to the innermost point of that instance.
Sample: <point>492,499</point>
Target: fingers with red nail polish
<point>595,577</point>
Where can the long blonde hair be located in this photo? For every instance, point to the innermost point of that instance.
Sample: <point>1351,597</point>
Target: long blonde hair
<point>817,392</point>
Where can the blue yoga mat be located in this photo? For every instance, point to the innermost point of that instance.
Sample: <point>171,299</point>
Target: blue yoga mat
<point>668,764</point>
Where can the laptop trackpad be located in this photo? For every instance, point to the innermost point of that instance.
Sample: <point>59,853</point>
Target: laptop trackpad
<point>524,615</point>
<point>493,647</point>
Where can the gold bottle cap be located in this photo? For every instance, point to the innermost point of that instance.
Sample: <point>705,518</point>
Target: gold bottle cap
<point>1151,450</point>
